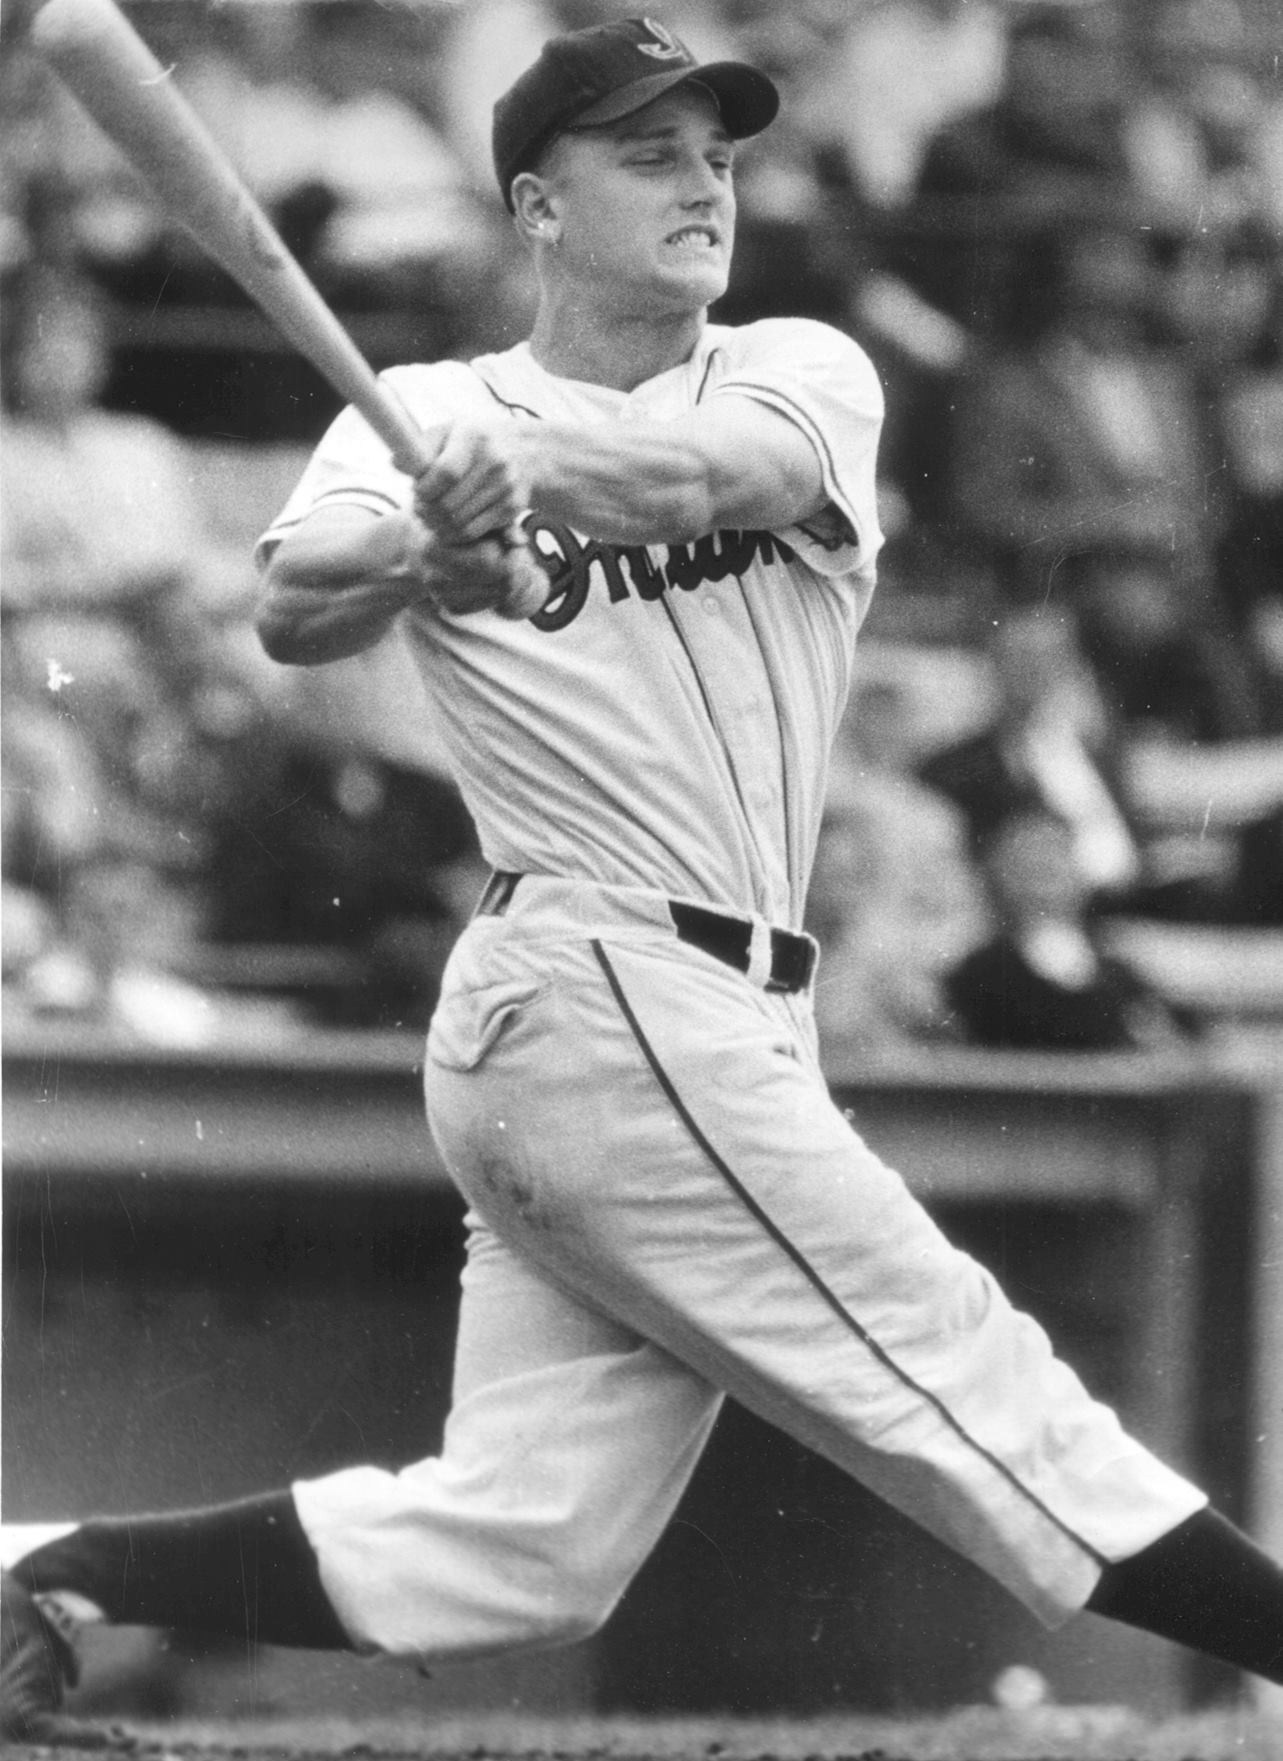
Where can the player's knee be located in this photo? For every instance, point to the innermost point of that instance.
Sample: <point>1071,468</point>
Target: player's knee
<point>588,1613</point>
<point>579,1598</point>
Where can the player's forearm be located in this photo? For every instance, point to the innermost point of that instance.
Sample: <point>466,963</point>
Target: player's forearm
<point>670,482</point>
<point>303,628</point>
<point>625,485</point>
<point>333,589</point>
<point>736,463</point>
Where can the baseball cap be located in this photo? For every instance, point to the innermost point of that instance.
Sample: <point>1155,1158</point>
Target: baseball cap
<point>594,76</point>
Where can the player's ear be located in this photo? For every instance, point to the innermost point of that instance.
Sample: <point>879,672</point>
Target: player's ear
<point>535,209</point>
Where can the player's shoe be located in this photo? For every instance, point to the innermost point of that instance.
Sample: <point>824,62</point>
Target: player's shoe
<point>37,1665</point>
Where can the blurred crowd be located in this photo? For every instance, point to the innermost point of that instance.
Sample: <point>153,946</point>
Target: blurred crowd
<point>1056,225</point>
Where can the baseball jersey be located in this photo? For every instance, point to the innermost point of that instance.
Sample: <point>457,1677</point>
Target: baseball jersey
<point>666,720</point>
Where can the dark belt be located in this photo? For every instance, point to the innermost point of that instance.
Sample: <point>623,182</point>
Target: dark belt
<point>729,939</point>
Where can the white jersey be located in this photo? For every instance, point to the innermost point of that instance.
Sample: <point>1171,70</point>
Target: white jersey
<point>666,720</point>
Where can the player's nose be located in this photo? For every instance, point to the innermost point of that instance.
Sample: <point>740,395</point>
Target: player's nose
<point>702,186</point>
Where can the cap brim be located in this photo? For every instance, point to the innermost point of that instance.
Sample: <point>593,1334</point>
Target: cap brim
<point>746,98</point>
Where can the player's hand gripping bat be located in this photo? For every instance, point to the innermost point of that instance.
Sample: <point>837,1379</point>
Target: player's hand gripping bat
<point>99,56</point>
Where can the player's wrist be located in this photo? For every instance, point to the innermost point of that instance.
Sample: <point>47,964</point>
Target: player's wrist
<point>495,573</point>
<point>528,586</point>
<point>415,564</point>
<point>405,550</point>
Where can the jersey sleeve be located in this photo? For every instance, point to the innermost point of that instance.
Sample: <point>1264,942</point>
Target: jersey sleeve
<point>351,465</point>
<point>825,384</point>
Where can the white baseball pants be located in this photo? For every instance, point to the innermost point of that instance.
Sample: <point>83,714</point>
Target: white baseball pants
<point>666,1205</point>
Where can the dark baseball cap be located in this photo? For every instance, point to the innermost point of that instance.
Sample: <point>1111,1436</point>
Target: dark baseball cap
<point>597,75</point>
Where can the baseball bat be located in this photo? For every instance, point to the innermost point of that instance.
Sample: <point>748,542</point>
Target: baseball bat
<point>105,64</point>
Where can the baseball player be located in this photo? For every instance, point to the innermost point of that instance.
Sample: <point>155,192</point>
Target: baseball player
<point>621,1075</point>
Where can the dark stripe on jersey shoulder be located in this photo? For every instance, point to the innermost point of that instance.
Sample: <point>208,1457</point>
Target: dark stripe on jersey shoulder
<point>772,394</point>
<point>822,1289</point>
<point>513,409</point>
<point>354,492</point>
<point>708,368</point>
<point>349,497</point>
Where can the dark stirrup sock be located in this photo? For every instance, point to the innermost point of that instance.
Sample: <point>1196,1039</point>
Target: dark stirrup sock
<point>243,1570</point>
<point>1205,1585</point>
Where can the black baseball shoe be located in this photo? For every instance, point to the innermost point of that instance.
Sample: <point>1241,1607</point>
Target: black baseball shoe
<point>37,1665</point>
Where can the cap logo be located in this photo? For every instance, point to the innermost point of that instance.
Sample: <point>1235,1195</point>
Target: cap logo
<point>665,46</point>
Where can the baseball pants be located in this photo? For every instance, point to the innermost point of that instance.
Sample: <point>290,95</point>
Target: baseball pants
<point>665,1205</point>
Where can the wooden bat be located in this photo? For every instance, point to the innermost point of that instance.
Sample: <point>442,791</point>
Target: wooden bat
<point>103,61</point>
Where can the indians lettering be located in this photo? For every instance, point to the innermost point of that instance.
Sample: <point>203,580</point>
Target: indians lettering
<point>572,563</point>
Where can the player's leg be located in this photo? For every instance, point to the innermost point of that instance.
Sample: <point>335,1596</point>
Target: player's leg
<point>244,1569</point>
<point>1204,1584</point>
<point>569,1442</point>
<point>700,1182</point>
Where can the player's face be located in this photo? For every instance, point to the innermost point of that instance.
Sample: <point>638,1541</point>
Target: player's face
<point>646,206</point>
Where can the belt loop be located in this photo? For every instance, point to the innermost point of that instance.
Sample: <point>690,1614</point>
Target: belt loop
<point>761,954</point>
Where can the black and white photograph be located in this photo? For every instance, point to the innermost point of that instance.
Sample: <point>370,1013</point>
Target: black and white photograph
<point>642,925</point>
